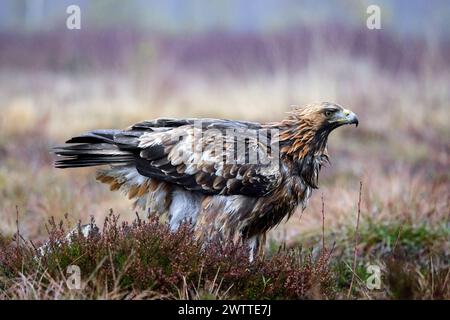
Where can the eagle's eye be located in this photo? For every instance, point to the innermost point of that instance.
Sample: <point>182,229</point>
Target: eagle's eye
<point>328,113</point>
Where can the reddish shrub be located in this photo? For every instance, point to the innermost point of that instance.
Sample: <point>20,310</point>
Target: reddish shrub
<point>146,255</point>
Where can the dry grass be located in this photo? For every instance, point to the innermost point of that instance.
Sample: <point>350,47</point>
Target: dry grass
<point>400,152</point>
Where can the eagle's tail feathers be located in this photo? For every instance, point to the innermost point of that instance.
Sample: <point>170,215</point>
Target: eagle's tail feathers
<point>96,136</point>
<point>93,149</point>
<point>98,147</point>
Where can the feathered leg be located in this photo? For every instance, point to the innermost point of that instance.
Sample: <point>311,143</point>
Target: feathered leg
<point>256,246</point>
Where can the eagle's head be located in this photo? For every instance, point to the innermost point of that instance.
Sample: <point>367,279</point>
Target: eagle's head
<point>303,136</point>
<point>324,116</point>
<point>305,131</point>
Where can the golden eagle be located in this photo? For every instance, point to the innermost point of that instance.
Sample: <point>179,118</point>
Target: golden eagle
<point>232,179</point>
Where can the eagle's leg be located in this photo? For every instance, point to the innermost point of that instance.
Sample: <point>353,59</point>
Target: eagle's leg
<point>184,207</point>
<point>256,245</point>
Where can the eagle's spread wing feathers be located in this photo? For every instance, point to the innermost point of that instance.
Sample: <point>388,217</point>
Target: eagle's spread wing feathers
<point>176,151</point>
<point>208,164</point>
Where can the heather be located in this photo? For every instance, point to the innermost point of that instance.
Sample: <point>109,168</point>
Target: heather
<point>144,259</point>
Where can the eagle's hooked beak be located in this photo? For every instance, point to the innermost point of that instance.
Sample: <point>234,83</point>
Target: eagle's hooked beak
<point>351,117</point>
<point>346,117</point>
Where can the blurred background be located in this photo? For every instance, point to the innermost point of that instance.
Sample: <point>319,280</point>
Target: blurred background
<point>252,60</point>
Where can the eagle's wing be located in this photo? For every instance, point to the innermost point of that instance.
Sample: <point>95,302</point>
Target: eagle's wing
<point>212,156</point>
<point>227,158</point>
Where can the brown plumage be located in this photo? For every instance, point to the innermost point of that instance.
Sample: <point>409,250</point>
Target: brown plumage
<point>234,180</point>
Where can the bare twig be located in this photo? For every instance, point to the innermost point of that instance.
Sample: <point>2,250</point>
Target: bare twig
<point>323,224</point>
<point>355,252</point>
<point>397,239</point>
<point>17,228</point>
<point>329,253</point>
<point>446,279</point>
<point>432,276</point>
<point>112,265</point>
<point>360,281</point>
<point>138,219</point>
